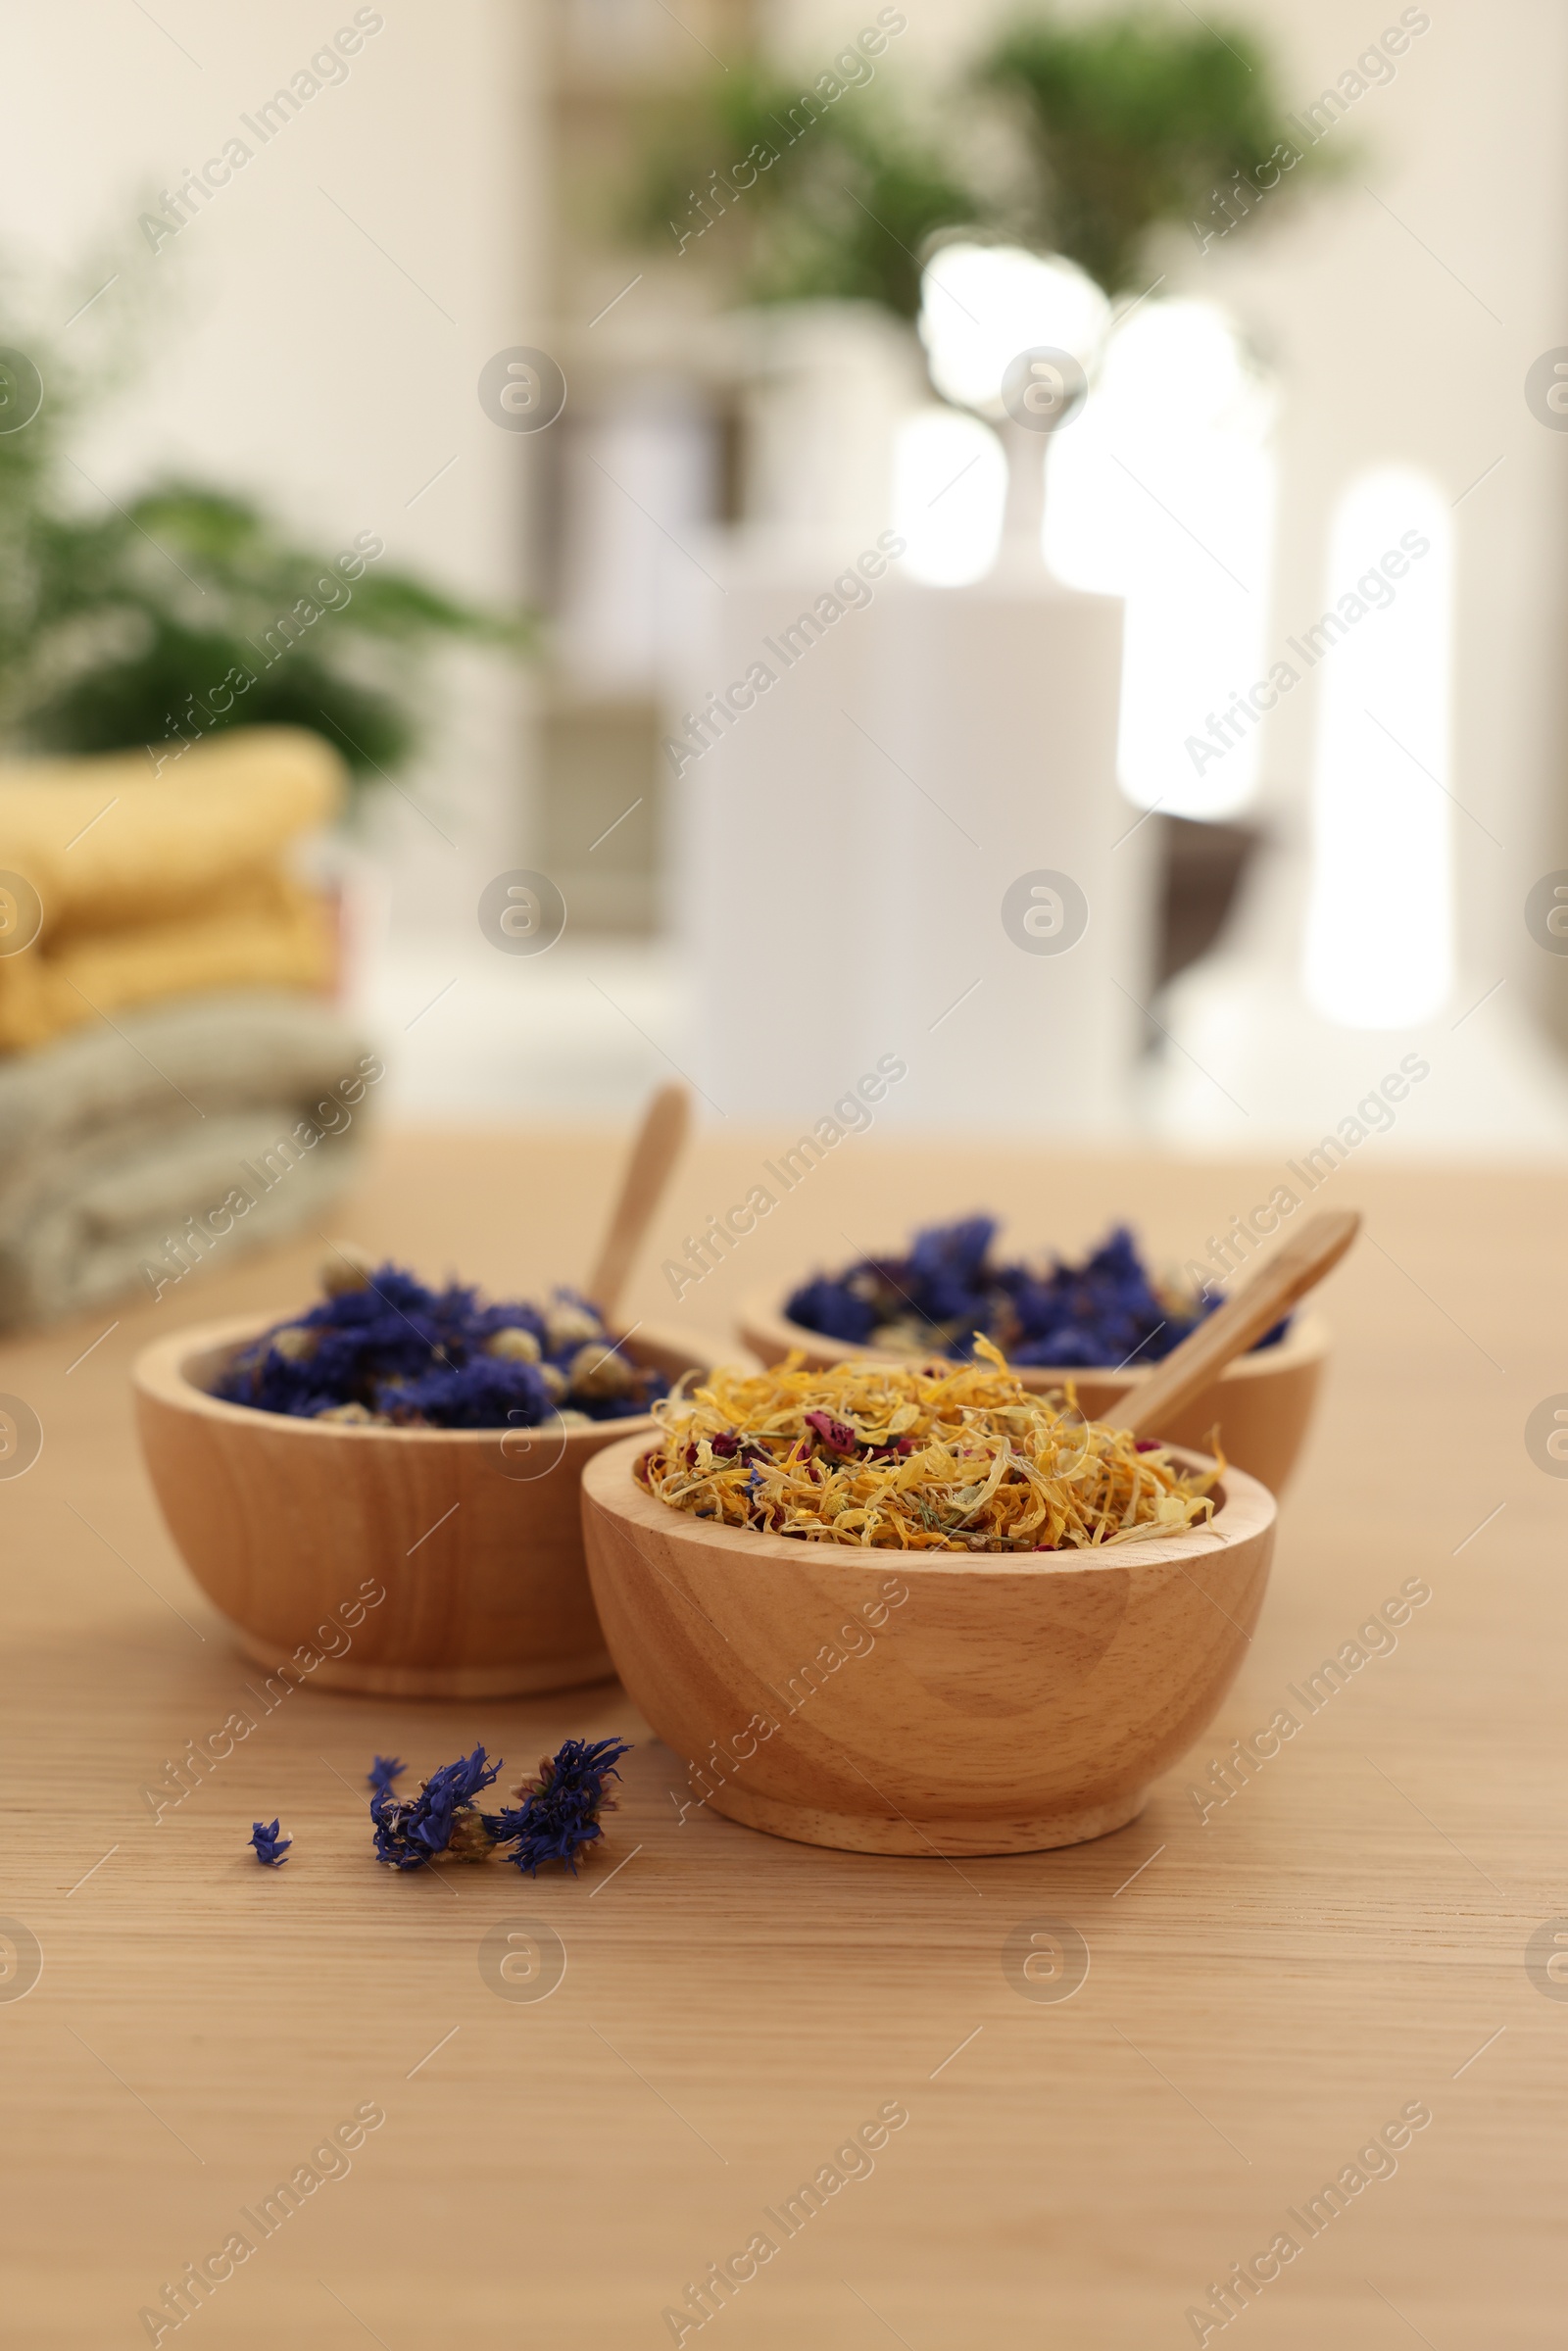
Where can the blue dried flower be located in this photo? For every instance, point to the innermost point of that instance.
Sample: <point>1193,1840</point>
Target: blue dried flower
<point>1105,1311</point>
<point>833,1308</point>
<point>558,1812</point>
<point>947,1265</point>
<point>271,1849</point>
<point>440,1816</point>
<point>484,1395</point>
<point>405,1352</point>
<point>384,1769</point>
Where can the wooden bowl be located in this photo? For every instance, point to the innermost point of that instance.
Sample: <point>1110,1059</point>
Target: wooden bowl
<point>1004,1704</point>
<point>472,1536</point>
<point>1261,1404</point>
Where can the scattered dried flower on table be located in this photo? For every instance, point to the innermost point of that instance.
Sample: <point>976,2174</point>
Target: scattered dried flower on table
<point>558,1812</point>
<point>440,1816</point>
<point>271,1849</point>
<point>555,1815</point>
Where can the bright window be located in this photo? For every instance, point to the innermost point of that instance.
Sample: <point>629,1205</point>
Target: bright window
<point>1162,492</point>
<point>1380,921</point>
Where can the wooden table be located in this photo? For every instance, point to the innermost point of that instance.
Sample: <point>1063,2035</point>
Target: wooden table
<point>1270,1986</point>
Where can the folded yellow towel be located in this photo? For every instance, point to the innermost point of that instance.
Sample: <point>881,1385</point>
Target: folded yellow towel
<point>259,931</point>
<point>107,841</point>
<point>163,883</point>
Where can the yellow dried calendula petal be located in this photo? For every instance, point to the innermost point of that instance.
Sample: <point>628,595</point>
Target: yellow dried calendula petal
<point>944,1456</point>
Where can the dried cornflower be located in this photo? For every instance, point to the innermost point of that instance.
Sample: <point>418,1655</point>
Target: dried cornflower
<point>384,1347</point>
<point>414,1831</point>
<point>271,1849</point>
<point>558,1812</point>
<point>470,1840</point>
<point>1107,1309</point>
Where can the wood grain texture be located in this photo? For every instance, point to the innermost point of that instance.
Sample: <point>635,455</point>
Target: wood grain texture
<point>420,1562</point>
<point>852,1698</point>
<point>1259,1407</point>
<point>1274,1973</point>
<point>659,1143</point>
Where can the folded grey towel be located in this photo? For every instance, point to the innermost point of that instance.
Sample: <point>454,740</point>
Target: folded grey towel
<point>130,1153</point>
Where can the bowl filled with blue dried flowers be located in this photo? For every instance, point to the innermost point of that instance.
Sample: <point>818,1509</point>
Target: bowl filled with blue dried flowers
<point>381,1491</point>
<point>1100,1322</point>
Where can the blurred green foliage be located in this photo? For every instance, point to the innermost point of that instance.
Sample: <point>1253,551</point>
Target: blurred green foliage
<point>1136,121</point>
<point>130,621</point>
<point>844,196</point>
<point>1075,136</point>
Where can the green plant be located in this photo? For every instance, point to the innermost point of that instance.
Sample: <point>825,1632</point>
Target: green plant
<point>180,610</point>
<point>793,196</point>
<point>1138,119</point>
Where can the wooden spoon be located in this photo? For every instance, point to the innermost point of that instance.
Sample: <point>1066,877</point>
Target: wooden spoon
<point>1256,1306</point>
<point>658,1145</point>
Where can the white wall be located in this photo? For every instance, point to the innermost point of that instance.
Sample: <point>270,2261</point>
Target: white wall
<point>285,351</point>
<point>1403,307</point>
<point>1402,338</point>
<point>298,358</point>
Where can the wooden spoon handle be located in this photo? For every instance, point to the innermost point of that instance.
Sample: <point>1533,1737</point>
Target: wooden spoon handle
<point>658,1145</point>
<point>1256,1306</point>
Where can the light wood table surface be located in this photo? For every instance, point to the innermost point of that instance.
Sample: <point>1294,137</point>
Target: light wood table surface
<point>1268,1988</point>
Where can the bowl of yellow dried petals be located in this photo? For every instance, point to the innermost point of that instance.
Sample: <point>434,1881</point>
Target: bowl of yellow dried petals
<point>919,1609</point>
